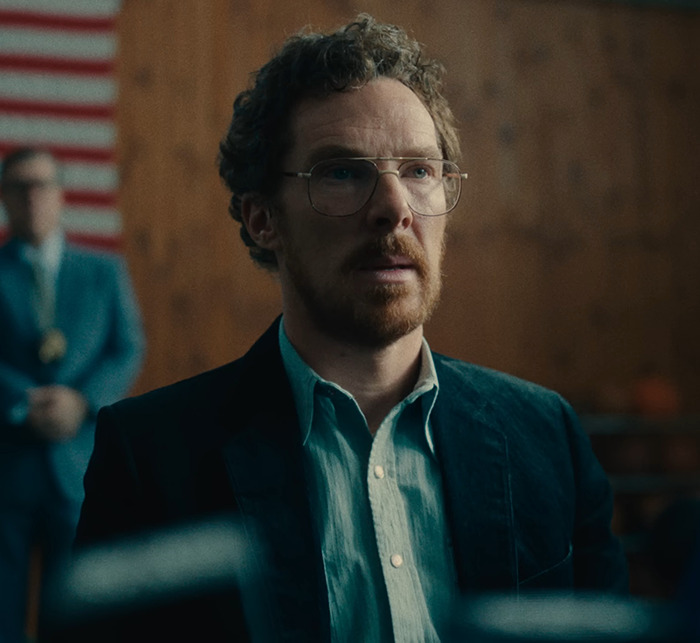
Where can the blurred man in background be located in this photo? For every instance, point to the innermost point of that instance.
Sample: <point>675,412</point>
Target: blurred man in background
<point>383,478</point>
<point>71,341</point>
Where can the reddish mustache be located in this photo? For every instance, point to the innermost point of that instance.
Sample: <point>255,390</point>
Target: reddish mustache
<point>390,246</point>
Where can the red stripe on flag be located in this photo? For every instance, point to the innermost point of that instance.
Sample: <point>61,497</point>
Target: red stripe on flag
<point>73,110</point>
<point>57,65</point>
<point>56,21</point>
<point>66,152</point>
<point>83,197</point>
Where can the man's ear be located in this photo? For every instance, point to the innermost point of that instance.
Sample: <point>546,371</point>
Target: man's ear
<point>256,214</point>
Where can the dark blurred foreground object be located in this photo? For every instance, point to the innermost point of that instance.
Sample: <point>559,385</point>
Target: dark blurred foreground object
<point>689,596</point>
<point>554,618</point>
<point>673,541</point>
<point>162,586</point>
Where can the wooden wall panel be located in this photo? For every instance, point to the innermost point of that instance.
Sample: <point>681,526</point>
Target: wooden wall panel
<point>573,257</point>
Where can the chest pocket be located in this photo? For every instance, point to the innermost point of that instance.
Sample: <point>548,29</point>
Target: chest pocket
<point>558,576</point>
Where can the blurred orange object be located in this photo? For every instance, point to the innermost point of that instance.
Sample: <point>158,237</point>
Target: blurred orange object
<point>655,396</point>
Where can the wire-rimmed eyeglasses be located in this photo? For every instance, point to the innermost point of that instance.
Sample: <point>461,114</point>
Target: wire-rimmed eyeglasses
<point>341,187</point>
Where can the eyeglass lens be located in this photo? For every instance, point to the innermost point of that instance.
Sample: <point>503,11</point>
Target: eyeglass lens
<point>341,187</point>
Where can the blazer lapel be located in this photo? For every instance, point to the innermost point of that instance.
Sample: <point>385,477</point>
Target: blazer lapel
<point>473,455</point>
<point>73,291</point>
<point>16,286</point>
<point>265,465</point>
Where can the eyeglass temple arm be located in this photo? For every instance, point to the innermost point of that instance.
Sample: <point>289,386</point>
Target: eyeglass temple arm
<point>452,175</point>
<point>307,175</point>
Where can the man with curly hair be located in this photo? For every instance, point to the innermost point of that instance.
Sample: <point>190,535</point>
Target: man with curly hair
<point>383,479</point>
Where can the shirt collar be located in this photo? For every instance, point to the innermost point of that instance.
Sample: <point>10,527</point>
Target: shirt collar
<point>303,380</point>
<point>47,254</point>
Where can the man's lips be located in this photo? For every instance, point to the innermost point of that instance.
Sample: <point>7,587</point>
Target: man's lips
<point>386,263</point>
<point>390,257</point>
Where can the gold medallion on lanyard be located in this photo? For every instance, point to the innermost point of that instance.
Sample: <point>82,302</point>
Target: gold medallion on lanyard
<point>53,346</point>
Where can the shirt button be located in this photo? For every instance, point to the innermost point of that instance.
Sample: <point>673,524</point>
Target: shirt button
<point>379,471</point>
<point>396,560</point>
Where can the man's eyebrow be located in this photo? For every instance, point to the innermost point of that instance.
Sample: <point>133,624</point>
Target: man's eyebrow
<point>427,152</point>
<point>332,152</point>
<point>340,151</point>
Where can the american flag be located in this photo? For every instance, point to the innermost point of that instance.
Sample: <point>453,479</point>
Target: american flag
<point>58,91</point>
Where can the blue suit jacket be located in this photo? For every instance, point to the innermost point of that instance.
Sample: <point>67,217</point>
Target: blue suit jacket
<point>528,504</point>
<point>97,313</point>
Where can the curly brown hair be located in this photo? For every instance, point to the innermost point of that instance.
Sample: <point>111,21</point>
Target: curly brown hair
<point>314,65</point>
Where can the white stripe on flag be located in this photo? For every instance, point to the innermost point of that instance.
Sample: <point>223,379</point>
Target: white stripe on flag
<point>88,8</point>
<point>92,177</point>
<point>91,220</point>
<point>59,88</point>
<point>55,43</point>
<point>27,130</point>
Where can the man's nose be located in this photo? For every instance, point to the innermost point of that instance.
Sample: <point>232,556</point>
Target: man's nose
<point>33,193</point>
<point>388,207</point>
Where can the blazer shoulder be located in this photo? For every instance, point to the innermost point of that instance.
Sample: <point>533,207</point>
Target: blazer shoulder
<point>487,387</point>
<point>195,393</point>
<point>96,259</point>
<point>224,396</point>
<point>8,251</point>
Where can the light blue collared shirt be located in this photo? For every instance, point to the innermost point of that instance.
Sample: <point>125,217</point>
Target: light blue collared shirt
<point>378,507</point>
<point>46,262</point>
<point>49,253</point>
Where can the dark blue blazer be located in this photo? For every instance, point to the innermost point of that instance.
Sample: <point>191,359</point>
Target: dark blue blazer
<point>97,312</point>
<point>528,504</point>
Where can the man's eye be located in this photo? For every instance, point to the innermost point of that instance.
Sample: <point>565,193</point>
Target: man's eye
<point>420,172</point>
<point>341,173</point>
<point>333,172</point>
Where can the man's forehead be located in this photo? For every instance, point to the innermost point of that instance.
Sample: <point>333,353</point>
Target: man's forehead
<point>381,118</point>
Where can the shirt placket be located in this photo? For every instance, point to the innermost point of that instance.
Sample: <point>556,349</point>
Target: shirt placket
<point>409,614</point>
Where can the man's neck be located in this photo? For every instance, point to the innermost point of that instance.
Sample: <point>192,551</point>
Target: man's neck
<point>378,378</point>
<point>48,251</point>
<point>38,243</point>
